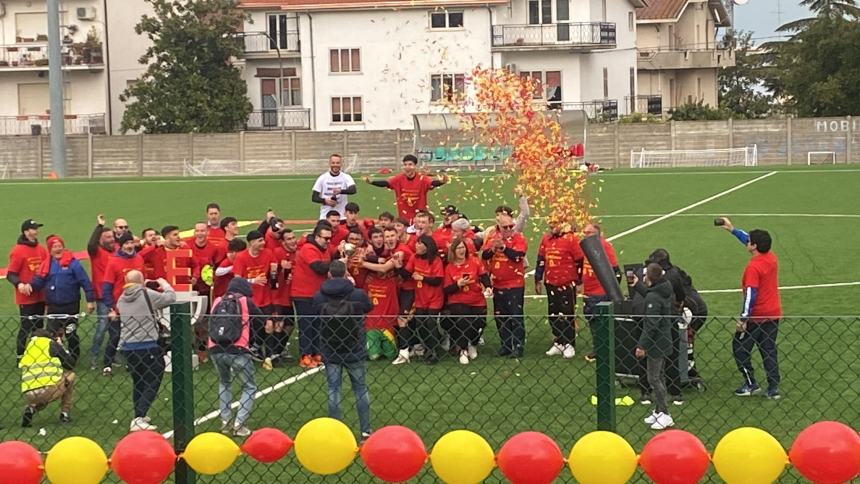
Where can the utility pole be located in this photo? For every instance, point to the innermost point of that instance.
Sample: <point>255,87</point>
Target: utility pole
<point>55,84</point>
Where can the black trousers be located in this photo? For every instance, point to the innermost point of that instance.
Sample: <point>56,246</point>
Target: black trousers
<point>764,336</point>
<point>464,324</point>
<point>510,322</point>
<point>28,325</point>
<point>70,327</point>
<point>147,370</point>
<point>423,328</point>
<point>561,307</point>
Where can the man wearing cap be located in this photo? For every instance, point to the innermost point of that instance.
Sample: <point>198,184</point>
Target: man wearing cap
<point>123,261</point>
<point>255,264</point>
<point>332,187</point>
<point>24,261</point>
<point>63,278</point>
<point>410,187</point>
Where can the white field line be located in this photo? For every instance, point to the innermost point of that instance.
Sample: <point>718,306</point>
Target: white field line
<point>684,209</point>
<point>649,215</point>
<point>263,179</point>
<point>729,291</point>
<point>261,393</point>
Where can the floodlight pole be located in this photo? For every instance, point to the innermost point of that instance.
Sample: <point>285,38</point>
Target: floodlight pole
<point>55,83</point>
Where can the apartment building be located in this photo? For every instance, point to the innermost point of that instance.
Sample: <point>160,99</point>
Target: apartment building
<point>679,54</point>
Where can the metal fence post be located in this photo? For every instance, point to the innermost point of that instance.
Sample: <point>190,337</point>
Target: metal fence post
<point>183,387</point>
<point>604,341</point>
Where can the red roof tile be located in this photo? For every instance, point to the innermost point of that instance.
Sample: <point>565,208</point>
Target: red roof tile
<point>661,10</point>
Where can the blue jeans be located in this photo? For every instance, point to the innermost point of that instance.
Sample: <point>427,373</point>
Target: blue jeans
<point>101,329</point>
<point>242,366</point>
<point>357,372</point>
<point>309,334</point>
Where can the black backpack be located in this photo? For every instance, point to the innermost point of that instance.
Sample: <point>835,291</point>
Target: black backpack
<point>228,316</point>
<point>338,328</point>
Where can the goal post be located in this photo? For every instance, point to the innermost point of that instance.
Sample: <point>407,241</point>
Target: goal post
<point>645,158</point>
<point>820,158</point>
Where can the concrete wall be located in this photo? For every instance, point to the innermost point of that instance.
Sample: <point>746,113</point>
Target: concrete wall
<point>778,142</point>
<point>125,47</point>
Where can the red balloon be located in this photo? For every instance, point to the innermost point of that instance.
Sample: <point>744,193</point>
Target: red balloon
<point>675,457</point>
<point>530,458</point>
<point>267,445</point>
<point>143,458</point>
<point>20,463</point>
<point>827,453</point>
<point>394,454</point>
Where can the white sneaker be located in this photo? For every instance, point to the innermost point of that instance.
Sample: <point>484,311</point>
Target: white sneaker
<point>555,350</point>
<point>481,341</point>
<point>472,352</point>
<point>402,357</point>
<point>649,420</point>
<point>138,424</point>
<point>568,351</point>
<point>662,421</point>
<point>446,343</point>
<point>241,431</point>
<point>464,357</point>
<point>226,428</point>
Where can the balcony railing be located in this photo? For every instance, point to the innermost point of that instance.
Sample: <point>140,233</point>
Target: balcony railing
<point>275,119</point>
<point>263,43</point>
<point>41,124</point>
<point>597,110</point>
<point>686,58</point>
<point>35,56</point>
<point>645,103</point>
<point>577,34</point>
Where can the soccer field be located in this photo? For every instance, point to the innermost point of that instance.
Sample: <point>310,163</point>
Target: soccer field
<point>812,214</point>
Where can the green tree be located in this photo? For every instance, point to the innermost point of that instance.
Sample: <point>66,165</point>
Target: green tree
<point>698,111</point>
<point>191,84</point>
<point>829,8</point>
<point>742,88</point>
<point>820,67</point>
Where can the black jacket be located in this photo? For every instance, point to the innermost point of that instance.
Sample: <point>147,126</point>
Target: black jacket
<point>657,322</point>
<point>342,338</point>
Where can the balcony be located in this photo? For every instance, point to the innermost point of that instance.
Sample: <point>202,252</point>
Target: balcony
<point>657,59</point>
<point>41,124</point>
<point>600,110</point>
<point>261,45</point>
<point>562,36</point>
<point>34,57</point>
<point>275,119</point>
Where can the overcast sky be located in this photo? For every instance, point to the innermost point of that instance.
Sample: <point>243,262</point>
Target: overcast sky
<point>761,17</point>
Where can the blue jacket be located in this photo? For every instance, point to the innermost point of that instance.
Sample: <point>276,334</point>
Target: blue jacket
<point>63,285</point>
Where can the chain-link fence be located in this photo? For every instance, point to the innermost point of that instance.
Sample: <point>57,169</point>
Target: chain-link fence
<point>459,375</point>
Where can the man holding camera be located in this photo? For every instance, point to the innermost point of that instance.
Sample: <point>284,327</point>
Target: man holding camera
<point>758,324</point>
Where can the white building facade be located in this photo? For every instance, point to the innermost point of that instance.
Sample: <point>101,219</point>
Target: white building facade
<point>352,65</point>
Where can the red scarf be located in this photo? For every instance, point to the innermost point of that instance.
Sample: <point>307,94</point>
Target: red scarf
<point>65,259</point>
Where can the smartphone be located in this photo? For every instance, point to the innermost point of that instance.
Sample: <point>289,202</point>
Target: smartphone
<point>467,276</point>
<point>719,222</point>
<point>630,276</point>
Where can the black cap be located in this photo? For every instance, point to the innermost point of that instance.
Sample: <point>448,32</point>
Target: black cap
<point>125,237</point>
<point>253,235</point>
<point>450,210</point>
<point>29,224</point>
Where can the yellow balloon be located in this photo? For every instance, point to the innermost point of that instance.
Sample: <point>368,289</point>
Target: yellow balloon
<point>211,453</point>
<point>325,446</point>
<point>462,457</point>
<point>602,457</point>
<point>749,456</point>
<point>76,460</point>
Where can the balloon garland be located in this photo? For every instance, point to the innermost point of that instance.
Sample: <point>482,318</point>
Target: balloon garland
<point>824,453</point>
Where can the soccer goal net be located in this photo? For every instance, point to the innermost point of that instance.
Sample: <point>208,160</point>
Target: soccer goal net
<point>746,156</point>
<point>821,158</point>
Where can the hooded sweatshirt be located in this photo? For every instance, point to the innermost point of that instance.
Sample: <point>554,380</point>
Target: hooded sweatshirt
<point>657,322</point>
<point>139,329</point>
<point>342,339</point>
<point>239,287</point>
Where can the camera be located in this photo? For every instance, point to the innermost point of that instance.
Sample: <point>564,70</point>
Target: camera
<point>719,222</point>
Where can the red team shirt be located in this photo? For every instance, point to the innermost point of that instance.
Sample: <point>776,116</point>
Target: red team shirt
<point>591,286</point>
<point>98,265</point>
<point>427,296</point>
<point>508,274</point>
<point>410,193</point>
<point>250,267</point>
<point>306,282</point>
<point>25,261</point>
<point>220,284</point>
<point>471,293</point>
<point>116,270</point>
<point>560,254</point>
<point>408,255</point>
<point>156,262</point>
<point>382,290</point>
<point>761,274</point>
<point>217,237</point>
<point>282,295</point>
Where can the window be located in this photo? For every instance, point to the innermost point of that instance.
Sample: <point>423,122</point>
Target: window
<point>562,10</point>
<point>540,12</point>
<point>632,82</point>
<point>35,99</point>
<point>699,94</point>
<point>346,109</point>
<point>446,19</point>
<point>631,21</point>
<point>446,86</point>
<point>605,83</point>
<point>292,92</point>
<point>547,85</point>
<point>344,60</point>
<point>278,31</point>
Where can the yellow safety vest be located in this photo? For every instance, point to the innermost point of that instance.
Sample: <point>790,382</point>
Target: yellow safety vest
<point>39,369</point>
